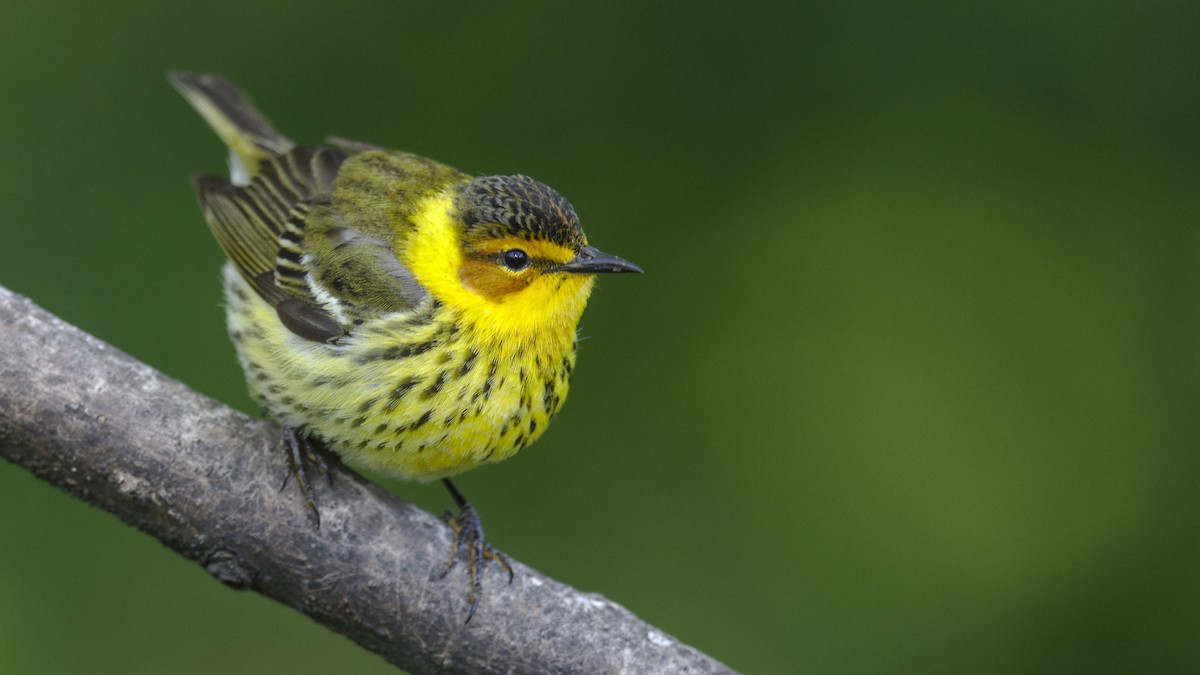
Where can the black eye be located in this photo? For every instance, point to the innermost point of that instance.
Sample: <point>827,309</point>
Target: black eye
<point>515,259</point>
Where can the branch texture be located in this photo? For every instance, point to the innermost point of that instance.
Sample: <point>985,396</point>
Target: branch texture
<point>204,480</point>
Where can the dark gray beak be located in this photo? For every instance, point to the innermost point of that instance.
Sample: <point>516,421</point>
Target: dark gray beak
<point>590,260</point>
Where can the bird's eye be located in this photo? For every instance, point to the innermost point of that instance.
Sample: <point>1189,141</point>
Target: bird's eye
<point>515,259</point>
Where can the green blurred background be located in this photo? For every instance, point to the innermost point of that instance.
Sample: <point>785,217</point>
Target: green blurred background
<point>910,385</point>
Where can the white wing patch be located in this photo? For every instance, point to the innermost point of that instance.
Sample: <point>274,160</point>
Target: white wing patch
<point>331,305</point>
<point>239,175</point>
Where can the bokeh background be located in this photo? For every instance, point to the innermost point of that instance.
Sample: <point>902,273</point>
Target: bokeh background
<point>909,386</point>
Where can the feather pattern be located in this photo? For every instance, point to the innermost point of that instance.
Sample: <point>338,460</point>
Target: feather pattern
<point>261,226</point>
<point>278,225</point>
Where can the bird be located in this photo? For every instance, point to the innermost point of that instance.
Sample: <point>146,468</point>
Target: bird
<point>416,321</point>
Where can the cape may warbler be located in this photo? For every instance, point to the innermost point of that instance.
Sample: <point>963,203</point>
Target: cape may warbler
<point>416,320</point>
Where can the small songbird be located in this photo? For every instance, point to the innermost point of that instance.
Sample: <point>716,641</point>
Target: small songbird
<point>415,320</point>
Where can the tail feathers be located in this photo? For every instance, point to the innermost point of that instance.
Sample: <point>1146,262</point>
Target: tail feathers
<point>234,118</point>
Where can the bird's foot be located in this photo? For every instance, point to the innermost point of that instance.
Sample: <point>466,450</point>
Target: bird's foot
<point>468,534</point>
<point>303,454</point>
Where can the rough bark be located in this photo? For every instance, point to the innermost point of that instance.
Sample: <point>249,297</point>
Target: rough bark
<point>204,480</point>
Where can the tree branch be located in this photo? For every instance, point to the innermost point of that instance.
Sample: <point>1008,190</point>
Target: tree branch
<point>204,480</point>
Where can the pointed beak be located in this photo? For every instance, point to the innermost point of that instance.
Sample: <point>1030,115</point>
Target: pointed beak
<point>589,260</point>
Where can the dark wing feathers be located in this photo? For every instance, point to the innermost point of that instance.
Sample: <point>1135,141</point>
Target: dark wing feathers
<point>277,210</point>
<point>261,226</point>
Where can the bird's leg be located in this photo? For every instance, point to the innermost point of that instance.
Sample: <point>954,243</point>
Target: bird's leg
<point>302,453</point>
<point>468,532</point>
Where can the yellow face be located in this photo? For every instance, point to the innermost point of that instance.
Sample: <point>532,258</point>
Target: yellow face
<point>507,286</point>
<point>497,268</point>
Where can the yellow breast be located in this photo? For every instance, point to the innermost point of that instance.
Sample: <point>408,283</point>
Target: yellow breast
<point>417,397</point>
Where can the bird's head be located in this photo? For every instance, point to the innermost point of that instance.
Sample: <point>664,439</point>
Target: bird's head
<point>519,262</point>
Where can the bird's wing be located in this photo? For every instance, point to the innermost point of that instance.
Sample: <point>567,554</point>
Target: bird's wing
<point>261,228</point>
<point>275,220</point>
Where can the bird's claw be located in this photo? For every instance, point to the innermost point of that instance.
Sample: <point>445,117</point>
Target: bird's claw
<point>468,534</point>
<point>301,455</point>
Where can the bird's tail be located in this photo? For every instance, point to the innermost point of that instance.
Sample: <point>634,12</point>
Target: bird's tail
<point>249,136</point>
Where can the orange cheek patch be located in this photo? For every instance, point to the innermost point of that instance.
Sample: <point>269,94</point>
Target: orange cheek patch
<point>487,279</point>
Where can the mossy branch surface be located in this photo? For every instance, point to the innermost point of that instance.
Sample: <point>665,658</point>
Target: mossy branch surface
<point>204,480</point>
